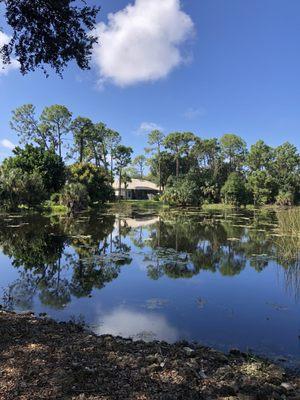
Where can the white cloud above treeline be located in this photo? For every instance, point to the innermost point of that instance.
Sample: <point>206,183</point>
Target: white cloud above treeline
<point>4,69</point>
<point>142,42</point>
<point>7,144</point>
<point>147,127</point>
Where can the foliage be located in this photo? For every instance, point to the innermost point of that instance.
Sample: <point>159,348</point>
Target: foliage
<point>234,191</point>
<point>260,185</point>
<point>140,163</point>
<point>182,191</point>
<point>18,188</point>
<point>178,144</point>
<point>45,163</point>
<point>122,156</point>
<point>46,131</point>
<point>95,180</point>
<point>285,199</point>
<point>233,149</point>
<point>49,33</point>
<point>82,129</point>
<point>286,168</point>
<point>75,197</point>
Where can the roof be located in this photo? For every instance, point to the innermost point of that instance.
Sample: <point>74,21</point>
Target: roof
<point>137,184</point>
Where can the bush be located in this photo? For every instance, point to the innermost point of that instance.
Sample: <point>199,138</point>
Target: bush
<point>284,199</point>
<point>75,197</point>
<point>47,164</point>
<point>234,190</point>
<point>20,188</point>
<point>182,191</point>
<point>94,179</point>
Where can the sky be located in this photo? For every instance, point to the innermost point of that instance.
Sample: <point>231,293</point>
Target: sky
<point>206,66</point>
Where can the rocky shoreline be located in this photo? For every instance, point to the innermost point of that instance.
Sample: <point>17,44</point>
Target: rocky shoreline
<point>44,359</point>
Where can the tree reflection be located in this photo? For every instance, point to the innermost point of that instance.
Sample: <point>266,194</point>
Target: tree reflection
<point>58,259</point>
<point>61,257</point>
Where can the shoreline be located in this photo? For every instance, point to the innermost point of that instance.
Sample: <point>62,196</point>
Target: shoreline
<point>44,359</point>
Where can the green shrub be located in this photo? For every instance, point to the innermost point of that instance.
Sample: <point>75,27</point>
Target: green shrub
<point>182,191</point>
<point>285,199</point>
<point>94,179</point>
<point>46,163</point>
<point>19,188</point>
<point>75,197</point>
<point>234,190</point>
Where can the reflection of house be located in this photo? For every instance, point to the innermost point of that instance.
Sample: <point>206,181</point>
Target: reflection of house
<point>137,189</point>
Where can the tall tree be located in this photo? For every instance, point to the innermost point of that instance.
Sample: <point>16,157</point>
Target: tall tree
<point>234,151</point>
<point>49,33</point>
<point>261,182</point>
<point>179,143</point>
<point>28,127</point>
<point>286,168</point>
<point>122,156</point>
<point>156,140</point>
<point>112,140</point>
<point>83,129</point>
<point>140,163</point>
<point>56,122</point>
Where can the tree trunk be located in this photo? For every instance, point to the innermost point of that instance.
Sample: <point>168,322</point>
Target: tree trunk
<point>111,168</point>
<point>81,150</point>
<point>159,168</point>
<point>177,167</point>
<point>120,186</point>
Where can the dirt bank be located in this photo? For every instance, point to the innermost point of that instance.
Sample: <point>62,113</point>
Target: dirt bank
<point>43,359</point>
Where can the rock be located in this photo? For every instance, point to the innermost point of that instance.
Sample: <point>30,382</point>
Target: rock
<point>188,350</point>
<point>287,386</point>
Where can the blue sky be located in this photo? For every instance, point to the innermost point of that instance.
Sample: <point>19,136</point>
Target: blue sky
<point>208,66</point>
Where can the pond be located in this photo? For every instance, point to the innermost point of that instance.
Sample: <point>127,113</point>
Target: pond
<point>226,279</point>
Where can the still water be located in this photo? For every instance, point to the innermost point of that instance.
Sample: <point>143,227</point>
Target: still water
<point>226,279</point>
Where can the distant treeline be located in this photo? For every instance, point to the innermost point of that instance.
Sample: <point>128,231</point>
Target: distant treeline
<point>73,162</point>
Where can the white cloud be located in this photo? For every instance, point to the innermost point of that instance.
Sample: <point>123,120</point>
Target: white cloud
<point>142,42</point>
<point>7,144</point>
<point>147,127</point>
<point>192,113</point>
<point>136,325</point>
<point>4,69</point>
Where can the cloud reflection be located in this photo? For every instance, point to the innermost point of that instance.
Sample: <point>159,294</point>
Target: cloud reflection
<point>137,325</point>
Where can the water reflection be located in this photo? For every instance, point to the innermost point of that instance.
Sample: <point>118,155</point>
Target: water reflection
<point>92,249</point>
<point>71,265</point>
<point>137,325</point>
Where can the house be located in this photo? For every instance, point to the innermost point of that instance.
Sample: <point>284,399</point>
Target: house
<point>137,189</point>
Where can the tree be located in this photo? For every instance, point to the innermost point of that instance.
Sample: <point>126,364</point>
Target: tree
<point>286,169</point>
<point>82,129</point>
<point>140,162</point>
<point>234,190</point>
<point>210,167</point>
<point>260,184</point>
<point>179,144</point>
<point>20,188</point>
<point>162,166</point>
<point>49,33</point>
<point>27,126</point>
<point>48,165</point>
<point>47,131</point>
<point>95,180</point>
<point>112,140</point>
<point>182,191</point>
<point>156,140</point>
<point>75,197</point>
<point>56,122</point>
<point>122,156</point>
<point>234,151</point>
<point>126,178</point>
<point>260,156</point>
<point>260,180</point>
